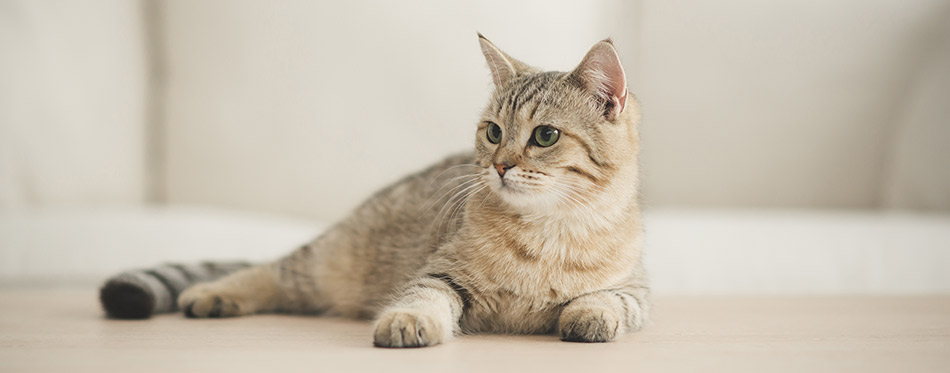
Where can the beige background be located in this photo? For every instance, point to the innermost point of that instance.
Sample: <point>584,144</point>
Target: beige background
<point>73,96</point>
<point>305,108</point>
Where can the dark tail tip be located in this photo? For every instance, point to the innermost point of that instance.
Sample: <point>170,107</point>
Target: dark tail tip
<point>124,300</point>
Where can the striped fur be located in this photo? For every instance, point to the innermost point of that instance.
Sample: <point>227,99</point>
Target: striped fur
<point>138,294</point>
<point>551,245</point>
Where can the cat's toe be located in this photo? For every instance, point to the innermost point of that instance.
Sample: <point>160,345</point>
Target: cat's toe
<point>407,328</point>
<point>199,302</point>
<point>589,325</point>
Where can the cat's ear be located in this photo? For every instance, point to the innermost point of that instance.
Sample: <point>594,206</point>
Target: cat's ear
<point>601,74</point>
<point>503,67</point>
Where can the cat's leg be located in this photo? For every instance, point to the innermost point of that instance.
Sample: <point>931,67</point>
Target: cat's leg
<point>426,313</point>
<point>285,285</point>
<point>244,292</point>
<point>604,315</point>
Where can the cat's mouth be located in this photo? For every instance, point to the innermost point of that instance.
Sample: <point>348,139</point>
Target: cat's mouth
<point>511,186</point>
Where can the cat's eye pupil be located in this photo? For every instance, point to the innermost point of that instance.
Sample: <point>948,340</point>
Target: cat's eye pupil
<point>546,135</point>
<point>494,133</point>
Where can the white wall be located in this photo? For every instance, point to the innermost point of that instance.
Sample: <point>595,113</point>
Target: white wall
<point>783,103</point>
<point>72,103</point>
<point>308,107</point>
<point>918,169</point>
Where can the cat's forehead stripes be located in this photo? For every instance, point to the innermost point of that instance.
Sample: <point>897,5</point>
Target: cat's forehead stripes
<point>524,90</point>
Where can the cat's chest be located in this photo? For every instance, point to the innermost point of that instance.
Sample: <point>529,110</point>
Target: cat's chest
<point>520,277</point>
<point>500,310</point>
<point>549,270</point>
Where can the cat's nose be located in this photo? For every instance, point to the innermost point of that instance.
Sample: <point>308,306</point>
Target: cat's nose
<point>502,168</point>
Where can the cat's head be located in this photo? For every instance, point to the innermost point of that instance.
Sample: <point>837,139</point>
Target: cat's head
<point>549,140</point>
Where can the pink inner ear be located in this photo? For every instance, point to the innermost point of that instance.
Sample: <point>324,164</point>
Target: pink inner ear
<point>617,87</point>
<point>604,74</point>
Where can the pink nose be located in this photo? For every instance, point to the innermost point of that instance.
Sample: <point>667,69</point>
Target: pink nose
<point>501,168</point>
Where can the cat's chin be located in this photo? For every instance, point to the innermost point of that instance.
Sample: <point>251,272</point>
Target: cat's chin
<point>523,200</point>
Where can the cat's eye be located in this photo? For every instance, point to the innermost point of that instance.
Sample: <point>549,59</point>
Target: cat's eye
<point>545,136</point>
<point>494,133</point>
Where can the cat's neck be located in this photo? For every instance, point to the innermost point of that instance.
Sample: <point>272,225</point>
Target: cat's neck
<point>615,204</point>
<point>595,214</point>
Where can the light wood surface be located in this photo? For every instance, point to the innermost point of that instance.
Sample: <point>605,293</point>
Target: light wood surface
<point>63,330</point>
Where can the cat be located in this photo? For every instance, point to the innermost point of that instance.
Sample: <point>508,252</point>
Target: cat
<point>538,231</point>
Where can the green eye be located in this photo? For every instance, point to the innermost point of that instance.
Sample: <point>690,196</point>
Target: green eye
<point>494,133</point>
<point>545,136</point>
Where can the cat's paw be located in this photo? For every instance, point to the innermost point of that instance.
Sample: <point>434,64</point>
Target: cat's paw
<point>409,328</point>
<point>589,325</point>
<point>204,300</point>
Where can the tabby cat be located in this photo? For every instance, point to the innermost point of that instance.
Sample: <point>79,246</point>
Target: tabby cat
<point>538,231</point>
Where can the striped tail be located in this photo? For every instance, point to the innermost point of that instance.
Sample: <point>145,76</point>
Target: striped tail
<point>138,294</point>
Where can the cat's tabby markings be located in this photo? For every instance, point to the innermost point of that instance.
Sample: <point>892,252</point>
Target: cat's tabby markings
<point>538,231</point>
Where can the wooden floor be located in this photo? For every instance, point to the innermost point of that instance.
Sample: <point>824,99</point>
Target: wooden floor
<point>64,331</point>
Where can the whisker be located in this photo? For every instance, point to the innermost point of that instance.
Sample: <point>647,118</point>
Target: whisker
<point>455,207</point>
<point>452,168</point>
<point>461,205</point>
<point>437,197</point>
<point>487,195</point>
<point>451,203</point>
<point>565,195</point>
<point>447,197</point>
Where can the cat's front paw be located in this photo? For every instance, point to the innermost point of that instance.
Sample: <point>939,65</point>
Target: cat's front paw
<point>589,325</point>
<point>409,328</point>
<point>204,300</point>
